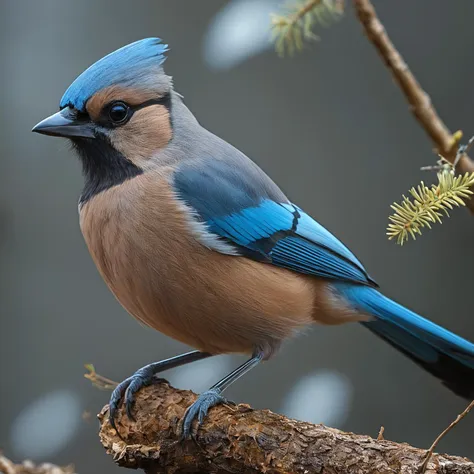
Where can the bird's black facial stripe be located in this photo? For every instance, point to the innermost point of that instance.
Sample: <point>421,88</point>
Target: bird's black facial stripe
<point>165,100</point>
<point>106,116</point>
<point>103,166</point>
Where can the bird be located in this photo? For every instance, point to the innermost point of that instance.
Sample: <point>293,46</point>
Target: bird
<point>196,241</point>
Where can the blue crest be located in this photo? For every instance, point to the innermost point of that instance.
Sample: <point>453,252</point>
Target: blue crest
<point>125,66</point>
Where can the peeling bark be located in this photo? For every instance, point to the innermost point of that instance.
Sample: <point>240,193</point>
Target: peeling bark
<point>242,440</point>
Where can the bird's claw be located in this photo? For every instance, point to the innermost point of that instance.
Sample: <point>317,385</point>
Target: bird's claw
<point>115,400</point>
<point>126,391</point>
<point>199,410</point>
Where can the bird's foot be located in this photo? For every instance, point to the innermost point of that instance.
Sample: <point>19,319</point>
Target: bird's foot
<point>126,390</point>
<point>199,410</point>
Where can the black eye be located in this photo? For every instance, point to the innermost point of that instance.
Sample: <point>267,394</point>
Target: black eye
<point>119,113</point>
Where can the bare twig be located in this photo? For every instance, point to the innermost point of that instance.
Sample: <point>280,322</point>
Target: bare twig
<point>430,451</point>
<point>420,104</point>
<point>242,440</point>
<point>98,380</point>
<point>462,151</point>
<point>304,9</point>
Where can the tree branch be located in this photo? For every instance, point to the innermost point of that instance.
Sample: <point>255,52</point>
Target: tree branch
<point>419,100</point>
<point>242,440</point>
<point>27,467</point>
<point>433,446</point>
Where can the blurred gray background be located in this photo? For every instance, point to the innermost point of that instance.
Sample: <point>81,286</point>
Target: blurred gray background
<point>328,125</point>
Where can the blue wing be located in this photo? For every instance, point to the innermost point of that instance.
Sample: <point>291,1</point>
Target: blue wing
<point>248,210</point>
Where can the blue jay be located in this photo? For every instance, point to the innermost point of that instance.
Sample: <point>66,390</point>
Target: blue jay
<point>196,241</point>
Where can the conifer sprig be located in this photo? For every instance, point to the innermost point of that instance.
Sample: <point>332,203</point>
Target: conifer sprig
<point>427,205</point>
<point>295,26</point>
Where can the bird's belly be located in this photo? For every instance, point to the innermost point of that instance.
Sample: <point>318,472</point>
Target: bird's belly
<point>213,302</point>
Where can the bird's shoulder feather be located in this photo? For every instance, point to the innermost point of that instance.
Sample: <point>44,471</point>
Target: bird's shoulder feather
<point>243,207</point>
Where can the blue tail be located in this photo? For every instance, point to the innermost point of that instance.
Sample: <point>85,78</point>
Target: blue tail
<point>439,351</point>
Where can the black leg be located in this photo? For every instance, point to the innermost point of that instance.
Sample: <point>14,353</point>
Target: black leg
<point>146,376</point>
<point>214,396</point>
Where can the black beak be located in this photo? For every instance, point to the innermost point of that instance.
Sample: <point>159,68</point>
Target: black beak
<point>65,124</point>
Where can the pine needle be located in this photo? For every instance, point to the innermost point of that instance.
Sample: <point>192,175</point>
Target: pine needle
<point>429,204</point>
<point>291,29</point>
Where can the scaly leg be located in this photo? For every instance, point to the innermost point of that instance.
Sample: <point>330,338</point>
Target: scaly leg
<point>213,396</point>
<point>146,376</point>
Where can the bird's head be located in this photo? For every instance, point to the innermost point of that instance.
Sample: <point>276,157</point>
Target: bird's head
<point>116,113</point>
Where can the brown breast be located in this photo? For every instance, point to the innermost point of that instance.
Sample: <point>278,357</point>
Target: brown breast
<point>140,239</point>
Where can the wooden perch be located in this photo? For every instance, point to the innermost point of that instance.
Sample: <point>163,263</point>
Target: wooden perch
<point>242,440</point>
<point>27,467</point>
<point>419,101</point>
